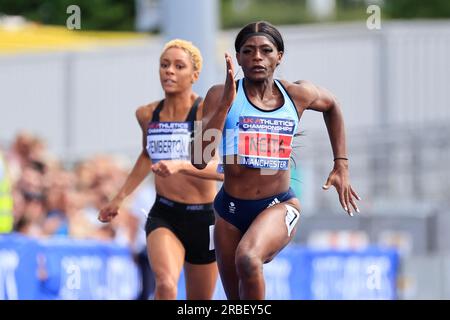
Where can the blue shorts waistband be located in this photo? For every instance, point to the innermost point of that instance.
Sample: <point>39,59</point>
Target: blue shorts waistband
<point>283,195</point>
<point>242,212</point>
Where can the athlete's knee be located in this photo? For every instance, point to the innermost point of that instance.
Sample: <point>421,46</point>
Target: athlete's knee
<point>248,264</point>
<point>166,287</point>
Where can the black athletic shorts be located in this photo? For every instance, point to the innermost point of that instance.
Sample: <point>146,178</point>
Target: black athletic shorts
<point>193,224</point>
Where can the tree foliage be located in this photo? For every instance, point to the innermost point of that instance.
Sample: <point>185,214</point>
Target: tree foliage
<point>95,14</point>
<point>120,14</point>
<point>417,8</point>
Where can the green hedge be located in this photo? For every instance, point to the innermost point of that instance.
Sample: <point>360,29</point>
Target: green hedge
<point>95,14</point>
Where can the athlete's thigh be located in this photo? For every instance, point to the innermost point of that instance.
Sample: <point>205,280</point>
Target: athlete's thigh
<point>166,253</point>
<point>200,280</point>
<point>226,240</point>
<point>272,230</point>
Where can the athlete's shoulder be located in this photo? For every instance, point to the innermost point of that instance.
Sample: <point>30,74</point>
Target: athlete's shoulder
<point>144,113</point>
<point>299,86</point>
<point>215,90</point>
<point>212,98</point>
<point>302,91</point>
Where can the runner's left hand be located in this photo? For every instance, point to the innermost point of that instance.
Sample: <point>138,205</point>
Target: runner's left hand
<point>339,178</point>
<point>165,168</point>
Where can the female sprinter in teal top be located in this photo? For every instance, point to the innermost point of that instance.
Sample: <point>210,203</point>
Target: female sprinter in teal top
<point>257,212</point>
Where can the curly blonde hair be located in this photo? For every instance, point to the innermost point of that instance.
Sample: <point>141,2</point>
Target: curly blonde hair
<point>189,48</point>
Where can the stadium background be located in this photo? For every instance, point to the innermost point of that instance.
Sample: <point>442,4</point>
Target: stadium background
<point>68,136</point>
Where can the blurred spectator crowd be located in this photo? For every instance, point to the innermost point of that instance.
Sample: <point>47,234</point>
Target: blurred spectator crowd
<point>50,199</point>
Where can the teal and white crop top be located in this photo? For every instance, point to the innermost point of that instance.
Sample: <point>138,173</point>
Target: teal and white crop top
<point>260,138</point>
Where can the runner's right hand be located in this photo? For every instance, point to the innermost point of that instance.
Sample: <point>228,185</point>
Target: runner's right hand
<point>229,91</point>
<point>109,212</point>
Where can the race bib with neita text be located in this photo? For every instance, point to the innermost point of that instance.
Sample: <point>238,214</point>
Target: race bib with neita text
<point>265,142</point>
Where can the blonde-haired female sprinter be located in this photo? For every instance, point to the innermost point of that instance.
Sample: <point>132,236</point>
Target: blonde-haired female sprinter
<point>179,225</point>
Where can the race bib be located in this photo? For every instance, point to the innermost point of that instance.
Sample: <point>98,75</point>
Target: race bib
<point>265,142</point>
<point>169,140</point>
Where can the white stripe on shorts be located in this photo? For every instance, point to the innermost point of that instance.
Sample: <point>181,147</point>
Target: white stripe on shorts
<point>291,219</point>
<point>211,237</point>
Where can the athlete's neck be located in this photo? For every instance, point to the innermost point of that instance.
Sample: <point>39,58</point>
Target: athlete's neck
<point>178,103</point>
<point>260,89</point>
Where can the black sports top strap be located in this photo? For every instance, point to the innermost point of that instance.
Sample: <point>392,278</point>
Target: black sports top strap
<point>155,116</point>
<point>192,115</point>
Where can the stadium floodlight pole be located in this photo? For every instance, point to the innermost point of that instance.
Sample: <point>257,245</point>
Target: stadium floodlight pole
<point>69,109</point>
<point>196,21</point>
